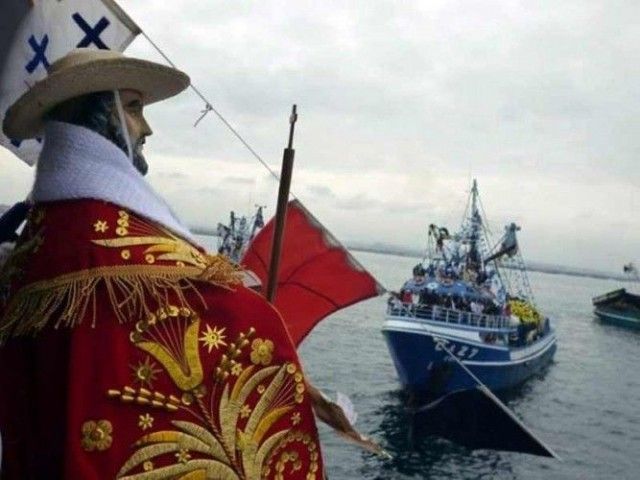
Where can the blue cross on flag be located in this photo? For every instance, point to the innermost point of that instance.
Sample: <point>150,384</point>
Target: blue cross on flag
<point>35,33</point>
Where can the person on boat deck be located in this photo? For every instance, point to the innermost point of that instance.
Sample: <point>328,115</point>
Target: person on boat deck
<point>477,307</point>
<point>127,351</point>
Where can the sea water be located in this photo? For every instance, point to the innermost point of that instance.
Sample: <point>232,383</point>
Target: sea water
<point>586,405</point>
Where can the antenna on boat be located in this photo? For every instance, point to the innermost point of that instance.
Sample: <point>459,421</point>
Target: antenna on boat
<point>281,212</point>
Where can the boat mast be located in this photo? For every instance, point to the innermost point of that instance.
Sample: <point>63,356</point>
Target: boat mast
<point>475,226</point>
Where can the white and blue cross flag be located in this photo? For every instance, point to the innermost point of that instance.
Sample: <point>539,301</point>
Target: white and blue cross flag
<point>35,33</point>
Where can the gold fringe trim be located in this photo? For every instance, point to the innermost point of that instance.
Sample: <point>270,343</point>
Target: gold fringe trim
<point>134,292</point>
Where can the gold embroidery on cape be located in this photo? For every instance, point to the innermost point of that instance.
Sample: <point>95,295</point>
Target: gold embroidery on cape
<point>96,435</point>
<point>130,289</point>
<point>213,338</point>
<point>101,226</point>
<point>145,372</point>
<point>232,436</point>
<point>162,244</point>
<point>145,421</point>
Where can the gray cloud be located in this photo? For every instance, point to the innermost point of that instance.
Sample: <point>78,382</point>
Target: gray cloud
<point>400,105</point>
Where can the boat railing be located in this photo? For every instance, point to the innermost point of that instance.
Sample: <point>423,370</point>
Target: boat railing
<point>446,315</point>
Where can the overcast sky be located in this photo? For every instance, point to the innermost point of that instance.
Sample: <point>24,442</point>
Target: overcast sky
<point>401,104</point>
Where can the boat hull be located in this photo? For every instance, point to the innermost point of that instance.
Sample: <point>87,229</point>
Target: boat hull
<point>617,318</point>
<point>618,307</point>
<point>426,369</point>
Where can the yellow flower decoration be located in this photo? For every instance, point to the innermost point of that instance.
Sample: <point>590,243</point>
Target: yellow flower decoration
<point>145,421</point>
<point>147,466</point>
<point>296,418</point>
<point>261,351</point>
<point>213,338</point>
<point>261,389</point>
<point>236,369</point>
<point>100,226</point>
<point>125,254</point>
<point>183,455</point>
<point>245,411</point>
<point>96,435</point>
<point>145,372</point>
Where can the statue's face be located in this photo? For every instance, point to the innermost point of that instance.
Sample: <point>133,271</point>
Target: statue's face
<point>138,127</point>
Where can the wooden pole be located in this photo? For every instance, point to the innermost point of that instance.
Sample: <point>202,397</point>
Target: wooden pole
<point>281,212</point>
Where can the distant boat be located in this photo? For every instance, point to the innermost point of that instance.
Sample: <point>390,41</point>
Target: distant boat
<point>234,238</point>
<point>462,301</point>
<point>618,307</point>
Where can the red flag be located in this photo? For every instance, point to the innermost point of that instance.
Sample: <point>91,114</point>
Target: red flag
<point>317,275</point>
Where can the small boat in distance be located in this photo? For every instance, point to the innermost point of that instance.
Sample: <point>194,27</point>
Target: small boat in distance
<point>234,238</point>
<point>471,300</point>
<point>620,307</point>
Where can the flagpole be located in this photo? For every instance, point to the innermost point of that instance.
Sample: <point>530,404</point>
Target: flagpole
<point>281,212</point>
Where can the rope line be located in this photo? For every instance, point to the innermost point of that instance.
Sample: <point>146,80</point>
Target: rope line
<point>210,108</point>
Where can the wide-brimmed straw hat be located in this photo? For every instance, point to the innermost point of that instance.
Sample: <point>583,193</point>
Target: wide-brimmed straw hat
<point>86,71</point>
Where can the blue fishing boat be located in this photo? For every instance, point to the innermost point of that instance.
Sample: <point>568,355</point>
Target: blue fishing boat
<point>470,300</point>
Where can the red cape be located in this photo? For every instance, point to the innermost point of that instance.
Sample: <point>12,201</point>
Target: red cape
<point>148,361</point>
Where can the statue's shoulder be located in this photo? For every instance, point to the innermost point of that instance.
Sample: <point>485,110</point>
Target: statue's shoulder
<point>72,251</point>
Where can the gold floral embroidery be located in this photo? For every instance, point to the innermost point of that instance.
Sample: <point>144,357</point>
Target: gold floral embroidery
<point>96,435</point>
<point>163,246</point>
<point>183,455</point>
<point>101,226</point>
<point>261,351</point>
<point>245,411</point>
<point>125,254</point>
<point>176,348</point>
<point>131,287</point>
<point>282,457</point>
<point>295,418</point>
<point>147,466</point>
<point>213,338</point>
<point>235,434</point>
<point>145,372</point>
<point>145,421</point>
<point>236,368</point>
<point>142,396</point>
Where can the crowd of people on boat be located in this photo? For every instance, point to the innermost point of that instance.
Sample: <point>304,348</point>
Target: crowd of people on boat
<point>453,286</point>
<point>433,290</point>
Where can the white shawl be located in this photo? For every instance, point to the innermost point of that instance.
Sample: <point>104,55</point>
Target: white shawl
<point>78,163</point>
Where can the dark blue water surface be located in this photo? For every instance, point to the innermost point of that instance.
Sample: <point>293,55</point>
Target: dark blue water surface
<point>586,405</point>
